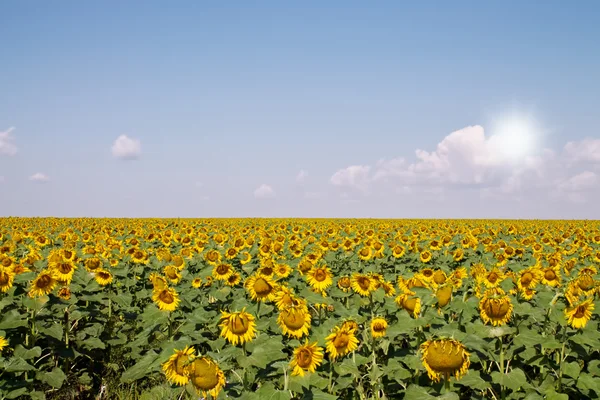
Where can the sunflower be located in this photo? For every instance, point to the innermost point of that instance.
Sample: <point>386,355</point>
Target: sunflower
<point>43,284</point>
<point>551,276</point>
<point>306,358</point>
<point>176,368</point>
<point>344,283</point>
<point>445,357</point>
<point>388,288</point>
<point>140,257</point>
<point>495,307</point>
<point>285,297</point>
<point>294,321</point>
<point>158,281</point>
<point>212,257</point>
<point>350,324</point>
<point>320,278</point>
<point>261,288</point>
<point>410,303</point>
<point>365,253</point>
<point>7,277</point>
<point>444,295</point>
<point>579,314</point>
<point>341,341</point>
<point>238,327</point>
<point>528,278</point>
<point>245,257</point>
<point>233,279</point>
<point>231,253</point>
<point>283,270</point>
<point>3,343</point>
<point>222,271</point>
<point>398,251</point>
<point>103,277</point>
<point>172,274</point>
<point>378,327</point>
<point>64,293</point>
<point>166,299</point>
<point>362,284</point>
<point>439,277</point>
<point>206,376</point>
<point>491,278</point>
<point>197,283</point>
<point>425,256</point>
<point>92,263</point>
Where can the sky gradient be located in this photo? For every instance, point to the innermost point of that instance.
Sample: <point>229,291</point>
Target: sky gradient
<point>136,109</point>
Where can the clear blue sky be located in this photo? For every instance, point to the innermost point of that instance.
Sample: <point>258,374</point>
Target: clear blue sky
<point>244,95</point>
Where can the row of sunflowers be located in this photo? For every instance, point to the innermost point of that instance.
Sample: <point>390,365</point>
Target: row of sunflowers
<point>273,308</point>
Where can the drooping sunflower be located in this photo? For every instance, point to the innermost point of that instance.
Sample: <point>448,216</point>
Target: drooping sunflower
<point>306,358</point>
<point>245,257</point>
<point>341,341</point>
<point>7,277</point>
<point>444,295</point>
<point>410,302</point>
<point>206,377</point>
<point>495,307</point>
<point>294,321</point>
<point>378,327</point>
<point>580,313</point>
<point>344,283</point>
<point>159,282</point>
<point>261,288</point>
<point>362,284</point>
<point>238,327</point>
<point>320,278</point>
<point>176,368</point>
<point>43,284</point>
<point>171,272</point>
<point>166,299</point>
<point>103,277</point>
<point>388,288</point>
<point>445,358</point>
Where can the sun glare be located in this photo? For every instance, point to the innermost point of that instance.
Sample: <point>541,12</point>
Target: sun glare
<point>515,136</point>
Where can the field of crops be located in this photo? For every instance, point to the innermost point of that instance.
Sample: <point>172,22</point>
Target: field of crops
<point>316,309</point>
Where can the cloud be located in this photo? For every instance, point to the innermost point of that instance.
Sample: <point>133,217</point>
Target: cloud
<point>354,177</point>
<point>264,191</point>
<point>467,163</point>
<point>39,177</point>
<point>7,145</point>
<point>301,177</point>
<point>126,148</point>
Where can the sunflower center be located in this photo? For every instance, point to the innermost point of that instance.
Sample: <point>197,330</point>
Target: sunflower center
<point>439,277</point>
<point>166,297</point>
<point>320,275</point>
<point>304,358</point>
<point>294,320</point>
<point>204,374</point>
<point>262,287</point>
<point>586,282</point>
<point>580,313</point>
<point>549,275</point>
<point>345,283</point>
<point>492,277</point>
<point>3,278</point>
<point>526,278</point>
<point>496,308</point>
<point>222,269</point>
<point>68,254</point>
<point>44,281</point>
<point>267,270</point>
<point>341,340</point>
<point>378,327</point>
<point>444,357</point>
<point>180,364</point>
<point>6,262</point>
<point>427,273</point>
<point>238,325</point>
<point>103,275</point>
<point>364,282</point>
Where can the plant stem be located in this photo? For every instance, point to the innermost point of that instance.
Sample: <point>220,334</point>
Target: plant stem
<point>258,310</point>
<point>447,382</point>
<point>330,385</point>
<point>502,389</point>
<point>170,325</point>
<point>562,358</point>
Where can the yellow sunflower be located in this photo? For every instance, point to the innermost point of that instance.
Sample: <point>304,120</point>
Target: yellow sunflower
<point>233,279</point>
<point>378,327</point>
<point>444,295</point>
<point>495,307</point>
<point>344,283</point>
<point>411,303</point>
<point>261,288</point>
<point>176,368</point>
<point>197,283</point>
<point>362,284</point>
<point>166,299</point>
<point>3,343</point>
<point>43,284</point>
<point>341,341</point>
<point>64,293</point>
<point>222,271</point>
<point>283,270</point>
<point>7,277</point>
<point>551,276</point>
<point>206,377</point>
<point>103,277</point>
<point>320,278</point>
<point>158,281</point>
<point>425,256</point>
<point>172,274</point>
<point>445,358</point>
<point>238,327</point>
<point>579,314</point>
<point>212,257</point>
<point>294,321</point>
<point>306,358</point>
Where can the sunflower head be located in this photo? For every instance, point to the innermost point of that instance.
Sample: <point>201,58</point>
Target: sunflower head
<point>341,342</point>
<point>495,307</point>
<point>378,327</point>
<point>444,358</point>
<point>580,313</point>
<point>176,368</point>
<point>306,358</point>
<point>238,327</point>
<point>261,288</point>
<point>294,321</point>
<point>206,376</point>
<point>166,299</point>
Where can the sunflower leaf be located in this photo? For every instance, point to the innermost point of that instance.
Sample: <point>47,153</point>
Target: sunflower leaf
<point>54,378</point>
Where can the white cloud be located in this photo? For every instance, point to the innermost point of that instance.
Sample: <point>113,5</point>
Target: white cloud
<point>7,143</point>
<point>469,163</point>
<point>126,148</point>
<point>39,177</point>
<point>313,195</point>
<point>354,176</point>
<point>264,191</point>
<point>301,177</point>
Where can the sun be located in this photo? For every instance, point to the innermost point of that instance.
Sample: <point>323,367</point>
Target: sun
<point>515,136</point>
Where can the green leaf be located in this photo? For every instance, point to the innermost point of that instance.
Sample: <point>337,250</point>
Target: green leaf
<point>414,392</point>
<point>37,396</point>
<point>12,319</point>
<point>27,354</point>
<point>552,395</point>
<point>92,343</point>
<point>320,395</point>
<point>140,369</point>
<point>56,331</point>
<point>594,367</point>
<point>16,393</point>
<point>572,369</point>
<point>473,380</point>
<point>55,378</point>
<point>588,382</point>
<point>514,380</point>
<point>17,364</point>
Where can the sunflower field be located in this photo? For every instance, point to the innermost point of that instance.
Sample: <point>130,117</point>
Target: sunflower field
<point>294,309</point>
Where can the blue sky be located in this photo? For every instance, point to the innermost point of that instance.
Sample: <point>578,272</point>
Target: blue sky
<point>218,102</point>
